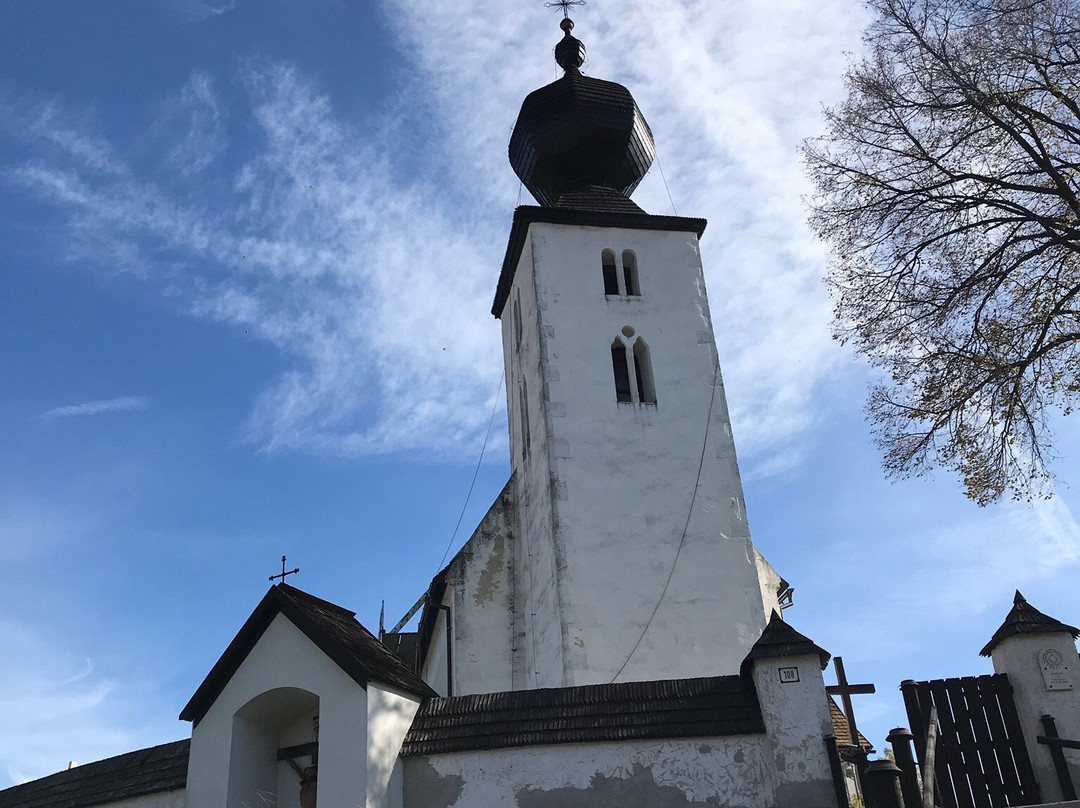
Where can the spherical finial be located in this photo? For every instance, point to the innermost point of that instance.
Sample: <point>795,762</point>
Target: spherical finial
<point>567,25</point>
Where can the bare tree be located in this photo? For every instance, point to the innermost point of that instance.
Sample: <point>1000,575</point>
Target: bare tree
<point>947,189</point>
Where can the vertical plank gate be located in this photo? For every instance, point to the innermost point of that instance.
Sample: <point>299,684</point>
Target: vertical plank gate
<point>982,761</point>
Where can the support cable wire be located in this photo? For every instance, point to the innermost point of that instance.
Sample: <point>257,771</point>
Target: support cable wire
<point>476,472</point>
<point>686,526</point>
<point>669,199</point>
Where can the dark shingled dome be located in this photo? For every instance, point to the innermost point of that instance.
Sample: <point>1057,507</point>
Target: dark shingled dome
<point>579,132</point>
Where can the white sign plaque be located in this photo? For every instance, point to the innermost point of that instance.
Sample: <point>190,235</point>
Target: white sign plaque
<point>1055,670</point>
<point>788,675</point>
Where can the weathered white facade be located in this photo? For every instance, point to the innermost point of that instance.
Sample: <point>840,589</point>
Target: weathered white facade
<point>785,766</point>
<point>1044,671</point>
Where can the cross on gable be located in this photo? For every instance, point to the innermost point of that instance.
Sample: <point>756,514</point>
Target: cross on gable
<point>283,573</point>
<point>845,691</point>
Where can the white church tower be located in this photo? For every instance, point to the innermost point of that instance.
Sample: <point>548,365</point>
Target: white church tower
<point>633,555</point>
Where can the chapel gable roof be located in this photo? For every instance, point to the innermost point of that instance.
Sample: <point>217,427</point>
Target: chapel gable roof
<point>332,628</point>
<point>676,708</point>
<point>133,774</point>
<point>779,639</point>
<point>1024,618</point>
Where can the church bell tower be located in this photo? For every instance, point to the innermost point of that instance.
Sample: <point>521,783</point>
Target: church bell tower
<point>633,559</point>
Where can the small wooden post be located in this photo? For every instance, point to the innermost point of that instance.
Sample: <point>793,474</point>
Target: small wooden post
<point>900,739</point>
<point>837,770</point>
<point>1068,790</point>
<point>929,779</point>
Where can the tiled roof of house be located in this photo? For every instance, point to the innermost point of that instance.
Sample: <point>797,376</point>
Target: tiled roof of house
<point>678,708</point>
<point>332,628</point>
<point>134,774</point>
<point>841,730</point>
<point>1024,618</point>
<point>779,639</point>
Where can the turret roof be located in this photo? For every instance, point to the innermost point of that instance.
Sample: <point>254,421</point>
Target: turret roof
<point>1024,618</point>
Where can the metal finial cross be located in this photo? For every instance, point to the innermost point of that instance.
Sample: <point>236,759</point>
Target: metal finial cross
<point>283,573</point>
<point>564,5</point>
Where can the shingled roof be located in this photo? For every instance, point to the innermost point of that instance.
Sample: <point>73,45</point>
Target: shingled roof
<point>677,708</point>
<point>841,730</point>
<point>779,639</point>
<point>1024,618</point>
<point>332,628</point>
<point>134,774</point>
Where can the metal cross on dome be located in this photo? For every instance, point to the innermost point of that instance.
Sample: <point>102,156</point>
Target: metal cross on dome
<point>564,5</point>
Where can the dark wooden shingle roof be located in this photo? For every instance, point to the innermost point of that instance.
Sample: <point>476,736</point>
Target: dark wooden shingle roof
<point>779,639</point>
<point>1024,618</point>
<point>134,774</point>
<point>332,628</point>
<point>678,708</point>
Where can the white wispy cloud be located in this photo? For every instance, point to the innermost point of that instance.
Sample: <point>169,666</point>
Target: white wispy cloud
<point>125,404</point>
<point>368,252</point>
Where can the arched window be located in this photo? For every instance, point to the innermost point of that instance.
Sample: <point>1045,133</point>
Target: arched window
<point>646,387</point>
<point>630,274</point>
<point>611,274</point>
<point>632,366</point>
<point>622,371</point>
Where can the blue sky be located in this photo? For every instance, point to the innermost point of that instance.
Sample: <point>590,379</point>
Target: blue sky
<point>247,253</point>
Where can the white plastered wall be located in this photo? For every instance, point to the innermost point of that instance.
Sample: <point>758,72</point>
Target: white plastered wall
<point>679,773</point>
<point>797,720</point>
<point>606,487</point>
<point>390,714</point>
<point>1018,656</point>
<point>283,658</point>
<point>483,587</point>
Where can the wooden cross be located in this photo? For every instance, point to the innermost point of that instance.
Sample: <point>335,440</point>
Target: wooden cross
<point>564,5</point>
<point>283,573</point>
<point>845,692</point>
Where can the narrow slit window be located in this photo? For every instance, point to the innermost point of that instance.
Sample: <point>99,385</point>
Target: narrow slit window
<point>646,387</point>
<point>630,274</point>
<point>622,371</point>
<point>611,273</point>
<point>524,415</point>
<point>517,320</point>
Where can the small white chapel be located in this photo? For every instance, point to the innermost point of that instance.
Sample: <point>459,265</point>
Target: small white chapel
<point>609,636</point>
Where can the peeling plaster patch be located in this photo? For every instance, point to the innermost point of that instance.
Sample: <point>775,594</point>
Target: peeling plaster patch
<point>425,786</point>
<point>639,790</point>
<point>491,576</point>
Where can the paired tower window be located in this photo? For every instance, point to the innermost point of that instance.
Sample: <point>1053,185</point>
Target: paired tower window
<point>620,278</point>
<point>632,366</point>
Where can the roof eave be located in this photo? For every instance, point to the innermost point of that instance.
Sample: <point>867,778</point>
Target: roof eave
<point>526,215</point>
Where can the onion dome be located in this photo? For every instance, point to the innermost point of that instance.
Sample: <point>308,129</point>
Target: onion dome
<point>581,142</point>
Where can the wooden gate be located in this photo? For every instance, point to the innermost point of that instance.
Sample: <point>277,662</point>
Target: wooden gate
<point>981,758</point>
